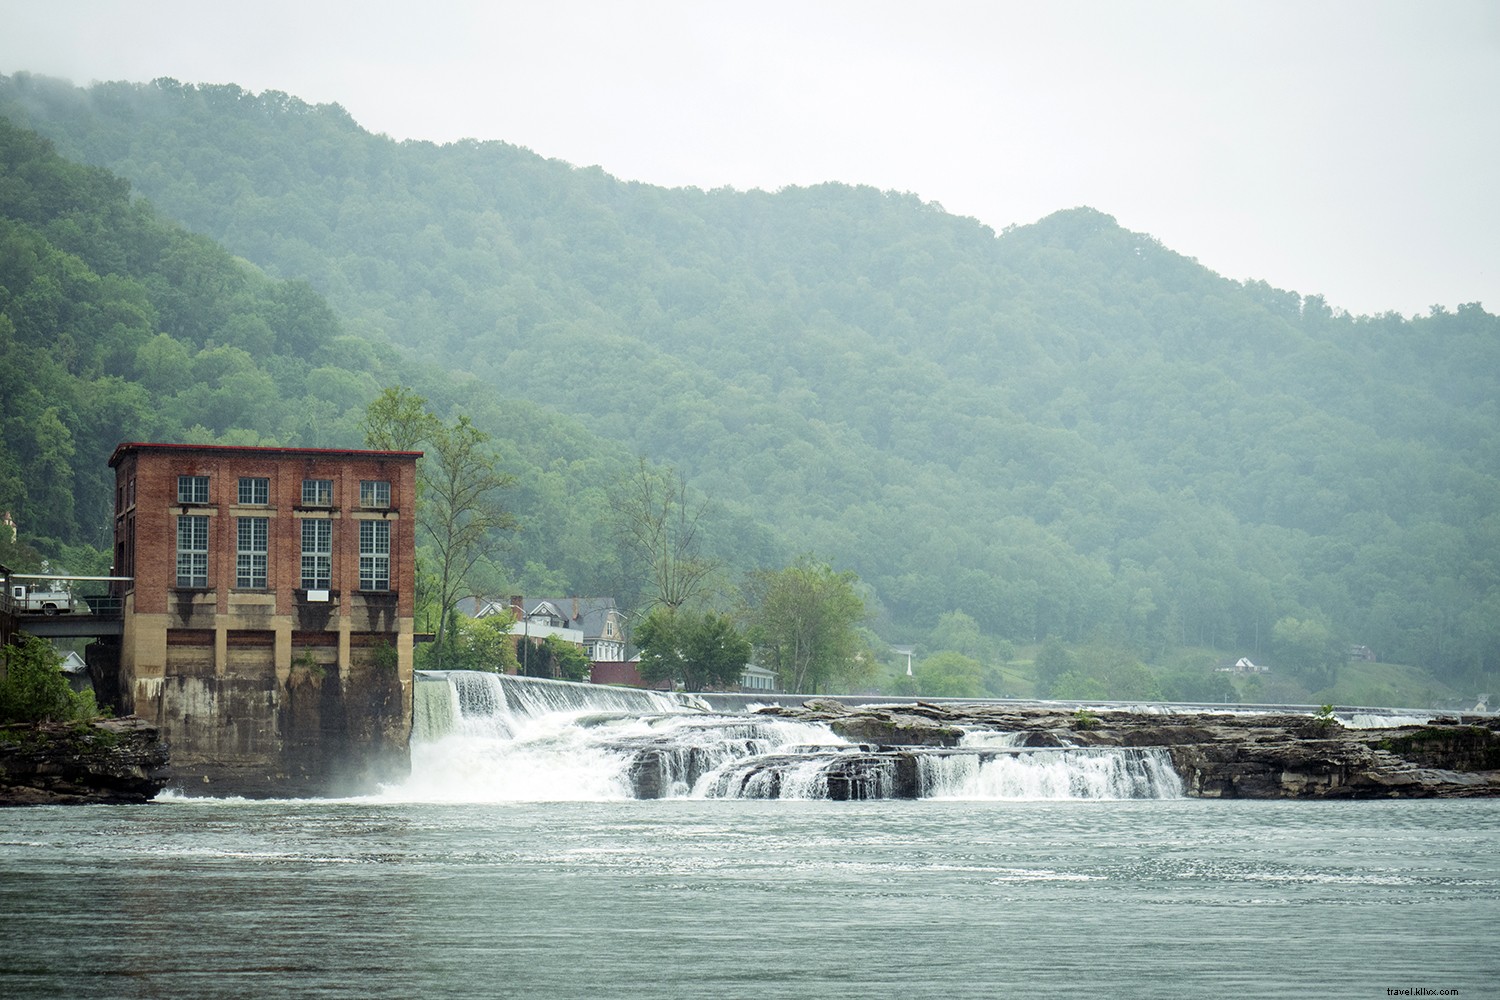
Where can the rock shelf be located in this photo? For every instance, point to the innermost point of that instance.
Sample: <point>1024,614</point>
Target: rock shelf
<point>1217,755</point>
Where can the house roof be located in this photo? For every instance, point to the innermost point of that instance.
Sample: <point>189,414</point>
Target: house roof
<point>587,614</point>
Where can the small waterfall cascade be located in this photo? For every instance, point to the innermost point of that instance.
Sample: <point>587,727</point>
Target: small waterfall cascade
<point>1383,720</point>
<point>480,737</point>
<point>477,703</point>
<point>1068,773</point>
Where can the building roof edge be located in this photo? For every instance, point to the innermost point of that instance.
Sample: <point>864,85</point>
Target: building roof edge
<point>125,447</point>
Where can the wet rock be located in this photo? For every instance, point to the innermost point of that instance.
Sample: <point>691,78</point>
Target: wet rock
<point>109,761</point>
<point>916,726</point>
<point>1217,755</point>
<point>873,776</point>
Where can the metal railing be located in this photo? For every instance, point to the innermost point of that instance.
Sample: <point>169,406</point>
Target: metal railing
<point>99,603</point>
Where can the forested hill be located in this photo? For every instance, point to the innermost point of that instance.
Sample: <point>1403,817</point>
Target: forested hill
<point>1064,429</point>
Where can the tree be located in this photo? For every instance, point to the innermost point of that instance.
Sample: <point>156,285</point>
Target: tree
<point>398,420</point>
<point>660,526</point>
<point>804,619</point>
<point>1309,647</point>
<point>659,640</point>
<point>483,644</point>
<point>567,661</point>
<point>552,657</point>
<point>958,632</point>
<point>716,651</point>
<point>34,689</point>
<point>1052,662</point>
<point>695,650</point>
<point>950,675</point>
<point>1078,686</point>
<point>459,511</point>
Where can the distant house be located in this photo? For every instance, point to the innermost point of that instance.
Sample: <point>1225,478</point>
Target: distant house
<point>77,672</point>
<point>756,678</point>
<point>1364,653</point>
<point>1244,666</point>
<point>591,622</point>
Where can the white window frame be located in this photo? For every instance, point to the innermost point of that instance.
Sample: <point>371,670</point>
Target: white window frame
<point>254,491</point>
<point>252,545</point>
<point>192,551</point>
<point>317,492</point>
<point>317,553</point>
<point>374,555</point>
<point>192,489</point>
<point>375,493</point>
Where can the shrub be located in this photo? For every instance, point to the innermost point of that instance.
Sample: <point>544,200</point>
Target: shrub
<point>35,690</point>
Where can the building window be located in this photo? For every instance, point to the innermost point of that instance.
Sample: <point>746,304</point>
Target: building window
<point>317,492</point>
<point>317,554</point>
<point>374,555</point>
<point>192,489</point>
<point>255,491</point>
<point>250,555</point>
<point>192,550</point>
<point>374,493</point>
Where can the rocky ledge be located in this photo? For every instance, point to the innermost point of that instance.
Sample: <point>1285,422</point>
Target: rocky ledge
<point>107,761</point>
<point>1217,755</point>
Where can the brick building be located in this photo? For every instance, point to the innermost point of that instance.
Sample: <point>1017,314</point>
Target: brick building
<point>268,625</point>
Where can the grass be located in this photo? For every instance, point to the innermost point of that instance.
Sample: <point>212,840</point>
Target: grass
<point>1393,685</point>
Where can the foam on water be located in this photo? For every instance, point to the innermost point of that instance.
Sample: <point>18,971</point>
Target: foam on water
<point>480,737</point>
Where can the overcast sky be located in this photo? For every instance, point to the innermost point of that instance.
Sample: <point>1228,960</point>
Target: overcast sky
<point>1349,148</point>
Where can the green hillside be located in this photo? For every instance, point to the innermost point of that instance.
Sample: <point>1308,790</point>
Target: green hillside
<point>117,325</point>
<point>1065,429</point>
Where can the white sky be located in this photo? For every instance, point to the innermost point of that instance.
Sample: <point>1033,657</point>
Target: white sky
<point>1349,148</point>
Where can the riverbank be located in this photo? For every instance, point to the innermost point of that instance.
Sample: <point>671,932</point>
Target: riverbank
<point>1217,755</point>
<point>108,761</point>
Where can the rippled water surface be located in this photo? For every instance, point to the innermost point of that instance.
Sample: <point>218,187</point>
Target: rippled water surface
<point>691,898</point>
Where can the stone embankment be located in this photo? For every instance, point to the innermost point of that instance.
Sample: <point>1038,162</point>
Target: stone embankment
<point>108,761</point>
<point>1217,755</point>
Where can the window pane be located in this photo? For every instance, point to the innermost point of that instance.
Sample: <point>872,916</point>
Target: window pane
<point>374,555</point>
<point>255,490</point>
<point>192,489</point>
<point>192,550</point>
<point>374,493</point>
<point>317,554</point>
<point>250,558</point>
<point>317,492</point>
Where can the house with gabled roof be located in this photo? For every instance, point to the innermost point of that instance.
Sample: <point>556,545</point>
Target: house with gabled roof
<point>594,623</point>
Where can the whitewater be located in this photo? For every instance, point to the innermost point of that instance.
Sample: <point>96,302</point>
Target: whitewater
<point>482,737</point>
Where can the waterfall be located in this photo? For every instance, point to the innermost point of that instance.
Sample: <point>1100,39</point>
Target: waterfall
<point>1073,773</point>
<point>480,737</point>
<point>1380,720</point>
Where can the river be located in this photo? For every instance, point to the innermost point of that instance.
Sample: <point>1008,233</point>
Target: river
<point>421,892</point>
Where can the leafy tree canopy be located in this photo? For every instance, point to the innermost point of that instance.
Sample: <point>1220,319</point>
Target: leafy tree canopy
<point>698,650</point>
<point>33,688</point>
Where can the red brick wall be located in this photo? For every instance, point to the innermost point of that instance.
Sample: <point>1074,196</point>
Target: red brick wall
<point>622,672</point>
<point>153,517</point>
